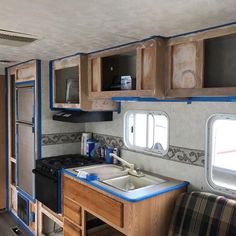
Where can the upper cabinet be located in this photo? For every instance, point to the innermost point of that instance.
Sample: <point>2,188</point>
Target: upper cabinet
<point>26,72</point>
<point>69,85</point>
<point>202,64</point>
<point>134,70</point>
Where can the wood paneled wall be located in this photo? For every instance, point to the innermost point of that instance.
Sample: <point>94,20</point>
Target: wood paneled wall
<point>2,144</point>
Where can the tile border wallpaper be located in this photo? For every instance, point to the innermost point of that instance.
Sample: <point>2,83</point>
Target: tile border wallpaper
<point>61,138</point>
<point>179,154</point>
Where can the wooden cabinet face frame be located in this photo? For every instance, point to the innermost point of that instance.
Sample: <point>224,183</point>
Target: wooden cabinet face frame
<point>198,59</point>
<point>64,64</point>
<point>81,62</point>
<point>149,79</point>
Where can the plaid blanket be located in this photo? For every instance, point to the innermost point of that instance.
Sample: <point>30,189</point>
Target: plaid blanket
<point>203,214</point>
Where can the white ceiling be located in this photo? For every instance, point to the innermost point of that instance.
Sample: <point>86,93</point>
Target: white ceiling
<point>67,27</point>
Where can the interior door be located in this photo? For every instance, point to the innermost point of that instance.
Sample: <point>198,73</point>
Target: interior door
<point>25,138</point>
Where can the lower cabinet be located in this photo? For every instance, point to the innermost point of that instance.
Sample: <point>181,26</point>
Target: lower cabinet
<point>71,229</point>
<point>89,211</point>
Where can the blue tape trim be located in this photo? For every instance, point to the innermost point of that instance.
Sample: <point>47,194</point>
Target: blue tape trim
<point>187,100</point>
<point>71,55</point>
<point>21,63</point>
<point>26,195</point>
<point>202,30</point>
<point>119,108</point>
<point>27,202</point>
<point>26,83</point>
<point>6,135</point>
<point>94,184</point>
<point>22,224</point>
<point>51,85</point>
<point>127,44</point>
<point>59,191</point>
<point>39,109</point>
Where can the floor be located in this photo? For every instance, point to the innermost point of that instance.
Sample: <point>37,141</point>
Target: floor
<point>6,223</point>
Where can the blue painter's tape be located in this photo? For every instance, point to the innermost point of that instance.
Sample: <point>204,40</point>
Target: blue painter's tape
<point>25,83</point>
<point>6,135</point>
<point>59,191</point>
<point>51,85</point>
<point>121,196</point>
<point>204,29</point>
<point>22,224</point>
<point>26,195</point>
<point>39,109</point>
<point>145,99</point>
<point>187,100</point>
<point>21,63</point>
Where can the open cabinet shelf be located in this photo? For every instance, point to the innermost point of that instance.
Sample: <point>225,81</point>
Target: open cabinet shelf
<point>202,65</point>
<point>134,70</point>
<point>69,88</point>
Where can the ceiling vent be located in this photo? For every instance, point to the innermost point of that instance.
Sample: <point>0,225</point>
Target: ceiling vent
<point>15,39</point>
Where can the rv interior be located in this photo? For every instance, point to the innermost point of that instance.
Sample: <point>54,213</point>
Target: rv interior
<point>118,118</point>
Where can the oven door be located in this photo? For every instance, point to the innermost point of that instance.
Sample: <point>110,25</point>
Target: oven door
<point>48,191</point>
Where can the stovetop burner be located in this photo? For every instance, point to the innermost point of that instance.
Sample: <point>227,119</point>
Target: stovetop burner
<point>66,161</point>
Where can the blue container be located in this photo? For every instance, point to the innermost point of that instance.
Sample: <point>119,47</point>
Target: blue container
<point>108,158</point>
<point>90,147</point>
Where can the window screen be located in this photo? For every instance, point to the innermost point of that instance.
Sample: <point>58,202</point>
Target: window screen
<point>147,131</point>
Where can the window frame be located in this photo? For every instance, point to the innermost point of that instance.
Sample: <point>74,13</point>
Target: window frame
<point>208,153</point>
<point>146,149</point>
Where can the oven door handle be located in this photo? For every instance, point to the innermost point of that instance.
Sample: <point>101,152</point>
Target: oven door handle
<point>46,176</point>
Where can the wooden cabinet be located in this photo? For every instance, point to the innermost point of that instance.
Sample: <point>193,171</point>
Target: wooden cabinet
<point>112,210</point>
<point>71,229</point>
<point>69,85</point>
<point>133,70</point>
<point>202,64</point>
<point>26,72</point>
<point>72,211</point>
<point>148,217</point>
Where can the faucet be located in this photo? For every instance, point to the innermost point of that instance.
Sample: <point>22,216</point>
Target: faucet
<point>131,170</point>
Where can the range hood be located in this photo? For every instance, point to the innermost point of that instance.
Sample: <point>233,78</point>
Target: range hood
<point>83,116</point>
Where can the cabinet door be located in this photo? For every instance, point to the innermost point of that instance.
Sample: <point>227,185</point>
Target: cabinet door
<point>71,229</point>
<point>185,66</point>
<point>66,83</point>
<point>26,73</point>
<point>25,104</point>
<point>25,158</point>
<point>72,211</point>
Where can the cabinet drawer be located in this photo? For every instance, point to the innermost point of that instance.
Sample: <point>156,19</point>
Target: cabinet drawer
<point>71,229</point>
<point>72,211</point>
<point>102,205</point>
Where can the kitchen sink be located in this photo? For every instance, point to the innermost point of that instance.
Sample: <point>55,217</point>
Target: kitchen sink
<point>105,171</point>
<point>129,183</point>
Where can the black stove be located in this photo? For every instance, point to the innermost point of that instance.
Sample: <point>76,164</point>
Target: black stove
<point>48,177</point>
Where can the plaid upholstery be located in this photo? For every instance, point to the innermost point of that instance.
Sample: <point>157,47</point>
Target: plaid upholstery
<point>203,214</point>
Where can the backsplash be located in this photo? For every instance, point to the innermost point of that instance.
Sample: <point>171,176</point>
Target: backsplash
<point>61,138</point>
<point>179,154</point>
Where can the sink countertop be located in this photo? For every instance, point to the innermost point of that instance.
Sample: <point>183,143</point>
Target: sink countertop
<point>135,195</point>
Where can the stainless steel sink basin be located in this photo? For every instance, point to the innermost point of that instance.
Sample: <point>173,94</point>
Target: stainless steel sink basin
<point>105,171</point>
<point>130,183</point>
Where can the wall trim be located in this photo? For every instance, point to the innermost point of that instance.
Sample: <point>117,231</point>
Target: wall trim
<point>175,153</point>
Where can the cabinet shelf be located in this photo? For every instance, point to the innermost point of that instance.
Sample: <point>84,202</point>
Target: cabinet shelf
<point>69,86</point>
<point>133,70</point>
<point>202,65</point>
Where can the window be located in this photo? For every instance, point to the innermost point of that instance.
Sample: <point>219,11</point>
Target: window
<point>146,131</point>
<point>221,153</point>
